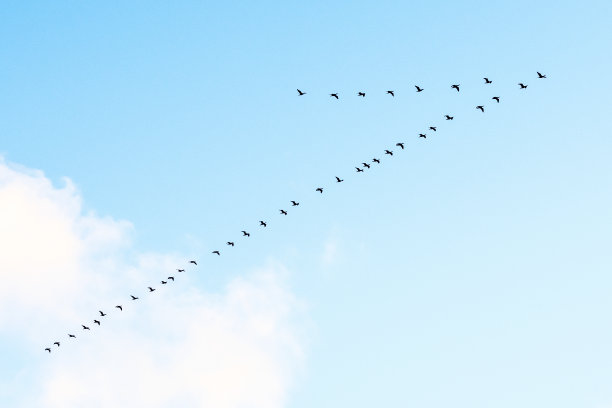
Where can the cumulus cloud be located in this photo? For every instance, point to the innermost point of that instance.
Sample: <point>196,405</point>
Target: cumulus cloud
<point>185,347</point>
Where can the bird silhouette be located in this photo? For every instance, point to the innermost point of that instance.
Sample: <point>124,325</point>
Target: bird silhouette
<point>359,170</point>
<point>263,224</point>
<point>449,117</point>
<point>433,128</point>
<point>320,190</point>
<point>57,343</point>
<point>163,282</point>
<point>48,349</point>
<point>229,243</point>
<point>391,93</point>
<point>134,297</point>
<point>119,307</point>
<point>541,75</point>
<point>151,289</point>
<point>339,180</point>
<point>389,152</point>
<point>366,165</point>
<point>180,270</point>
<point>294,203</point>
<point>102,314</point>
<point>245,234</point>
<point>522,85</point>
<point>487,81</point>
<point>171,278</point>
<point>481,108</point>
<point>496,98</point>
<point>456,87</point>
<point>423,135</point>
<point>375,160</point>
<point>97,322</point>
<point>335,95</point>
<point>193,262</point>
<point>362,94</point>
<point>283,212</point>
<point>216,252</point>
<point>419,89</point>
<point>85,327</point>
<point>301,93</point>
<point>400,145</point>
<point>71,335</point>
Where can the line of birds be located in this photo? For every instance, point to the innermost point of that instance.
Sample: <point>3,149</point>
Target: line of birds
<point>294,203</point>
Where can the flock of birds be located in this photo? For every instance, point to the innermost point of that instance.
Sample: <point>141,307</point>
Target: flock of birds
<point>264,224</point>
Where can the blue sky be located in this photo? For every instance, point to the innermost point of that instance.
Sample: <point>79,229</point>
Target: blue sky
<point>470,269</point>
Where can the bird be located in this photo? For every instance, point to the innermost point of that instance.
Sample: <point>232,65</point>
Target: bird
<point>339,180</point>
<point>294,203</point>
<point>522,85</point>
<point>180,270</point>
<point>119,307</point>
<point>57,343</point>
<point>134,297</point>
<point>362,94</point>
<point>375,160</point>
<point>102,314</point>
<point>496,98</point>
<point>151,289</point>
<point>301,93</point>
<point>487,81</point>
<point>263,224</point>
<point>456,87</point>
<point>433,128</point>
<point>449,117</point>
<point>245,234</point>
<point>283,212</point>
<point>335,95</point>
<point>481,108</point>
<point>389,152</point>
<point>366,165</point>
<point>320,190</point>
<point>391,93</point>
<point>97,322</point>
<point>85,327</point>
<point>171,278</point>
<point>216,252</point>
<point>48,349</point>
<point>400,145</point>
<point>193,262</point>
<point>541,75</point>
<point>229,243</point>
<point>423,135</point>
<point>359,170</point>
<point>163,282</point>
<point>71,335</point>
<point>418,88</point>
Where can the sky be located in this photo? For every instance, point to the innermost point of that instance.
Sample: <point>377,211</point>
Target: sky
<point>471,269</point>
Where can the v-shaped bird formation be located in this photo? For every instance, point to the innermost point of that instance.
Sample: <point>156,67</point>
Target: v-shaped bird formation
<point>319,190</point>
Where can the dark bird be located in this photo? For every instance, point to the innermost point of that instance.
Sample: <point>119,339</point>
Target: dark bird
<point>320,190</point>
<point>362,94</point>
<point>245,234</point>
<point>301,93</point>
<point>419,89</point>
<point>400,145</point>
<point>230,243</point>
<point>102,313</point>
<point>57,343</point>
<point>216,252</point>
<point>85,327</point>
<point>263,224</point>
<point>359,170</point>
<point>335,95</point>
<point>97,322</point>
<point>423,135</point>
<point>294,203</point>
<point>522,85</point>
<point>541,75</point>
<point>339,180</point>
<point>48,349</point>
<point>433,128</point>
<point>134,297</point>
<point>496,98</point>
<point>283,212</point>
<point>389,152</point>
<point>180,270</point>
<point>448,117</point>
<point>119,307</point>
<point>71,335</point>
<point>151,289</point>
<point>456,87</point>
<point>163,282</point>
<point>171,278</point>
<point>481,108</point>
<point>487,81</point>
<point>391,93</point>
<point>375,160</point>
<point>366,165</point>
<point>193,262</point>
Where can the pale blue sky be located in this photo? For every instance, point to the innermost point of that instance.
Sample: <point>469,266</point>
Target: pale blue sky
<point>471,269</point>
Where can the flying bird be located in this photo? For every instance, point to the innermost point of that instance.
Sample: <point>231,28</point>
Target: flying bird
<point>245,234</point>
<point>151,289</point>
<point>456,87</point>
<point>400,145</point>
<point>97,322</point>
<point>102,314</point>
<point>180,270</point>
<point>134,297</point>
<point>391,93</point>
<point>389,152</point>
<point>522,85</point>
<point>481,108</point>
<point>423,135</point>
<point>216,252</point>
<point>362,94</point>
<point>320,190</point>
<point>366,165</point>
<point>449,117</point>
<point>541,75</point>
<point>375,160</point>
<point>283,212</point>
<point>171,278</point>
<point>57,343</point>
<point>335,95</point>
<point>301,93</point>
<point>263,224</point>
<point>419,89</point>
<point>163,282</point>
<point>48,349</point>
<point>339,180</point>
<point>487,81</point>
<point>496,98</point>
<point>85,327</point>
<point>359,170</point>
<point>433,128</point>
<point>193,262</point>
<point>71,335</point>
<point>119,307</point>
<point>230,243</point>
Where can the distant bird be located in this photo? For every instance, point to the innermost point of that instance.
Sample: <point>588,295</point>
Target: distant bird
<point>335,95</point>
<point>163,282</point>
<point>419,89</point>
<point>339,180</point>
<point>180,270</point>
<point>171,278</point>
<point>71,335</point>
<point>391,93</point>
<point>283,212</point>
<point>449,117</point>
<point>362,94</point>
<point>245,234</point>
<point>294,203</point>
<point>119,307</point>
<point>134,297</point>
<point>85,327</point>
<point>216,252</point>
<point>456,87</point>
<point>359,170</point>
<point>320,190</point>
<point>229,243</point>
<point>48,349</point>
<point>193,262</point>
<point>496,98</point>
<point>433,128</point>
<point>522,85</point>
<point>301,93</point>
<point>541,75</point>
<point>389,152</point>
<point>375,160</point>
<point>97,322</point>
<point>151,289</point>
<point>400,145</point>
<point>57,343</point>
<point>263,224</point>
<point>366,165</point>
<point>102,313</point>
<point>481,108</point>
<point>487,81</point>
<point>423,135</point>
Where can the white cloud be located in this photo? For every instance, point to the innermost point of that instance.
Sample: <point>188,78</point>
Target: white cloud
<point>183,347</point>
